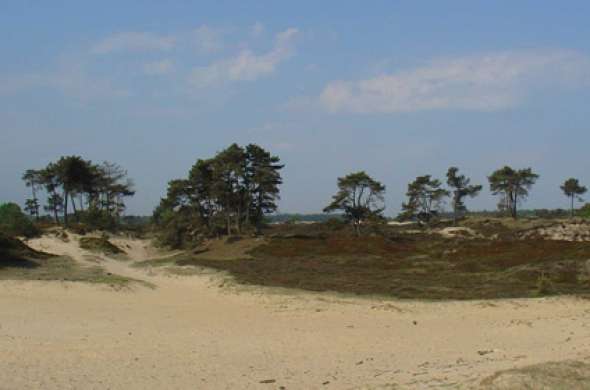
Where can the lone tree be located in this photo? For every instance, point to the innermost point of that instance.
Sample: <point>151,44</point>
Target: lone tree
<point>425,197</point>
<point>573,190</point>
<point>460,188</point>
<point>512,186</point>
<point>360,197</point>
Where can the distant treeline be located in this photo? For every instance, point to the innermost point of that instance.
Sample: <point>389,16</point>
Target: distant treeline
<point>238,189</point>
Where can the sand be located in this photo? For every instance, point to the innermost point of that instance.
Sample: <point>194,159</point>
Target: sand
<point>190,332</point>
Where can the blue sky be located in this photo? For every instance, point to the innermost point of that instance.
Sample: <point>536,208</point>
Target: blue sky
<point>396,88</point>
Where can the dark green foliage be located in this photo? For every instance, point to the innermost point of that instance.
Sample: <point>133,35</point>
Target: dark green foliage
<point>584,211</point>
<point>34,180</point>
<point>425,197</point>
<point>32,207</point>
<point>512,186</point>
<point>99,244</point>
<point>13,246</point>
<point>573,190</point>
<point>460,188</point>
<point>96,218</point>
<point>13,222</point>
<point>95,193</point>
<point>360,197</point>
<point>222,195</point>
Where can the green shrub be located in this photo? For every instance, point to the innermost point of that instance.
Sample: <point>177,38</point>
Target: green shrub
<point>584,211</point>
<point>99,244</point>
<point>13,222</point>
<point>94,218</point>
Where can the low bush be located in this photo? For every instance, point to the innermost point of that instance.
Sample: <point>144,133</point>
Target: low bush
<point>13,222</point>
<point>99,244</point>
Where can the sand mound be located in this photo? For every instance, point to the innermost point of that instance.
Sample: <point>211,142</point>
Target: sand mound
<point>189,333</point>
<point>570,374</point>
<point>569,231</point>
<point>455,232</point>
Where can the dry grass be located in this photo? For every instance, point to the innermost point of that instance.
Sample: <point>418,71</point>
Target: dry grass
<point>100,245</point>
<point>19,262</point>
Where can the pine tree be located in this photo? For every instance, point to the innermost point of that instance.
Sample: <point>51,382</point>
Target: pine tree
<point>512,186</point>
<point>360,197</point>
<point>573,190</point>
<point>460,188</point>
<point>425,197</point>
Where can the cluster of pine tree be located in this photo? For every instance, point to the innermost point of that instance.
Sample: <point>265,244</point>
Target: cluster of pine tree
<point>221,195</point>
<point>95,193</point>
<point>361,197</point>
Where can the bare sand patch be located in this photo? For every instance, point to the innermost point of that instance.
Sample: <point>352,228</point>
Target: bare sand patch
<point>188,333</point>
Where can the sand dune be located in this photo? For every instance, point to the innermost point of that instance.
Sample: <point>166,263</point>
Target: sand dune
<point>190,333</point>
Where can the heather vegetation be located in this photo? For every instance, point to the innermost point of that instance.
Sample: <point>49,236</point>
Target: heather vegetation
<point>223,214</point>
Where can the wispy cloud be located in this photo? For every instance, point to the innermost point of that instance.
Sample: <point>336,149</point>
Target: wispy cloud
<point>480,83</point>
<point>246,65</point>
<point>158,67</point>
<point>71,78</point>
<point>208,39</point>
<point>133,41</point>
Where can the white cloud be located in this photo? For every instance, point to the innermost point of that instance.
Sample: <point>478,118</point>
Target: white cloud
<point>207,39</point>
<point>246,65</point>
<point>158,67</point>
<point>133,41</point>
<point>480,83</point>
<point>69,78</point>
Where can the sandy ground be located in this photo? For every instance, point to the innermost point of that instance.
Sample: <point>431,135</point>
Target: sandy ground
<point>191,333</point>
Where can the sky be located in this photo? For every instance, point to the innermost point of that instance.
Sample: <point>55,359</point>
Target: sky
<point>395,88</point>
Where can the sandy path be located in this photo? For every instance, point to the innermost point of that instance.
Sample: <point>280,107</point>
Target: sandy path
<point>189,333</point>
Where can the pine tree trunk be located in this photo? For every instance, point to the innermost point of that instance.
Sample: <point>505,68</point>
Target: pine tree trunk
<point>357,227</point>
<point>238,220</point>
<point>66,208</point>
<point>55,214</point>
<point>573,214</point>
<point>36,203</point>
<point>514,207</point>
<point>74,207</point>
<point>227,218</point>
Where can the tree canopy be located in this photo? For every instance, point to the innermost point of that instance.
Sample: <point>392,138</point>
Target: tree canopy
<point>512,186</point>
<point>95,192</point>
<point>425,198</point>
<point>573,190</point>
<point>360,197</point>
<point>228,192</point>
<point>460,187</point>
<point>13,222</point>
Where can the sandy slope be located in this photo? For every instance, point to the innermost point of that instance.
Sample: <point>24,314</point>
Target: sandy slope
<point>189,333</point>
